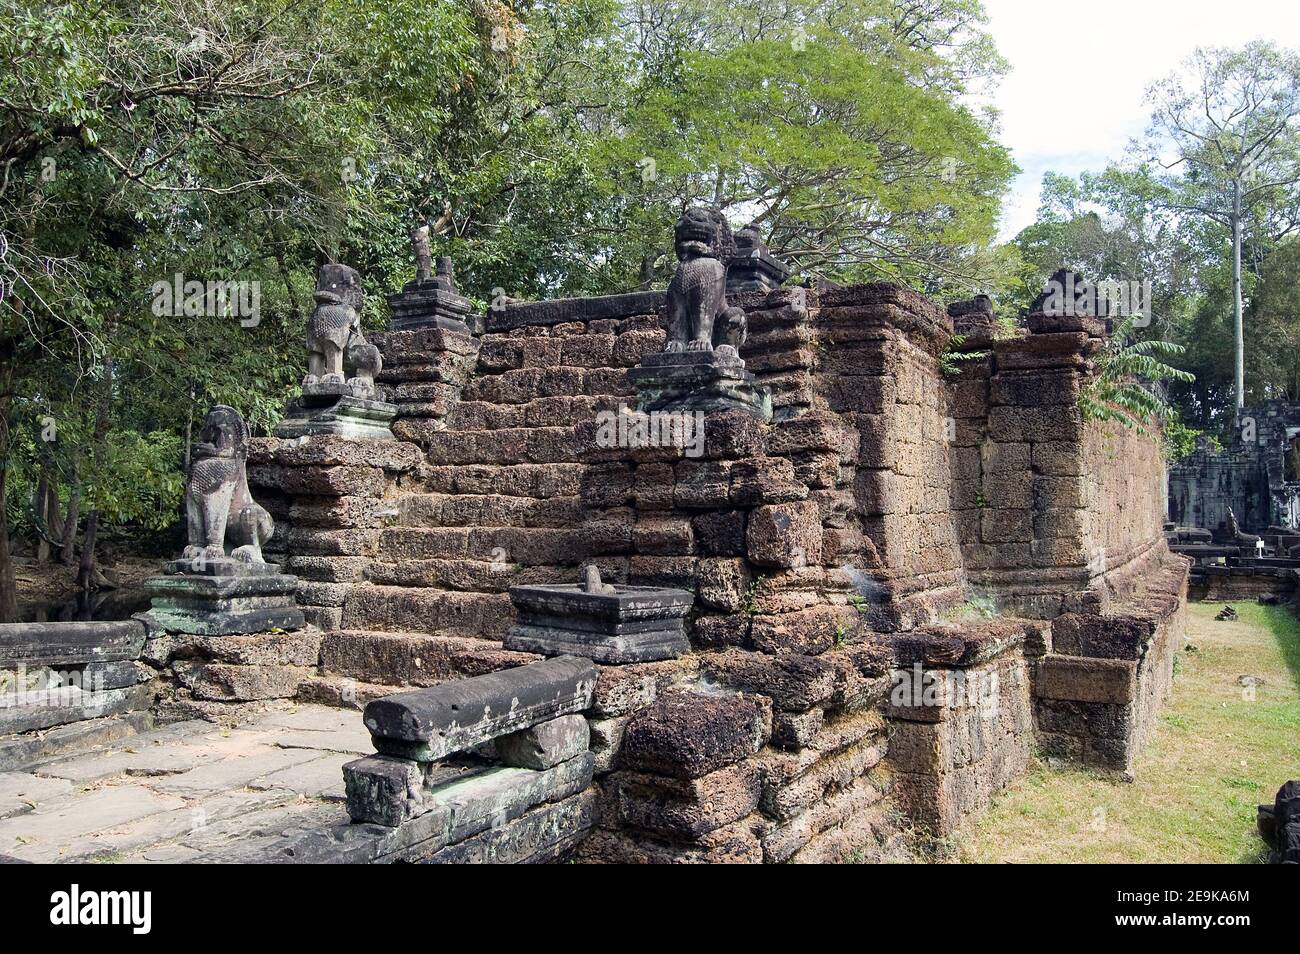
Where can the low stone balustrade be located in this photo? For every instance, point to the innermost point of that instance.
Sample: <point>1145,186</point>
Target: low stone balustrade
<point>57,673</point>
<point>490,769</point>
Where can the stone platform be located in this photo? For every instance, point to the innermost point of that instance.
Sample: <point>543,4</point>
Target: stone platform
<point>219,597</point>
<point>185,792</point>
<point>341,416</point>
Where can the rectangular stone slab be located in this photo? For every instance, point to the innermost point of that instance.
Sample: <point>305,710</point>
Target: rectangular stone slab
<point>427,724</point>
<point>52,707</point>
<point>53,644</point>
<point>628,604</point>
<point>207,605</point>
<point>608,648</point>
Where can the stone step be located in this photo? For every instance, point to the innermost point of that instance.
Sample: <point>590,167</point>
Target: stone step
<point>342,692</point>
<point>527,384</point>
<point>530,546</point>
<point>412,659</point>
<point>508,445</point>
<point>480,576</point>
<point>554,411</point>
<point>422,610</point>
<point>512,480</point>
<point>490,510</point>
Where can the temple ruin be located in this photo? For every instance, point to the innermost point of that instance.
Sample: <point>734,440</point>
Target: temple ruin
<point>742,571</point>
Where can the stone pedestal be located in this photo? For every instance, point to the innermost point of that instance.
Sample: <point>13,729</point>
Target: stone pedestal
<point>425,305</point>
<point>628,625</point>
<point>754,269</point>
<point>341,410</point>
<point>680,381</point>
<point>218,597</point>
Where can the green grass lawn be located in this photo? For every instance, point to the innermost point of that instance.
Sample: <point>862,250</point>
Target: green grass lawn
<point>1216,755</point>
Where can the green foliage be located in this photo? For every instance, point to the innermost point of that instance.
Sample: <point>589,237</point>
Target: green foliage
<point>140,480</point>
<point>249,141</point>
<point>1180,440</point>
<point>1119,389</point>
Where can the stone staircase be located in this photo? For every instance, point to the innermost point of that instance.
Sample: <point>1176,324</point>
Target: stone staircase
<point>497,503</point>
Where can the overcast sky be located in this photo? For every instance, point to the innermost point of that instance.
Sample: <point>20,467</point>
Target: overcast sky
<point>1073,98</point>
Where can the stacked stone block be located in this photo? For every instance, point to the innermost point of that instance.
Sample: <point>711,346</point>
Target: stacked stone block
<point>424,372</point>
<point>962,717</point>
<point>54,674</point>
<point>1099,689</point>
<point>878,372</point>
<point>881,496</point>
<point>331,498</point>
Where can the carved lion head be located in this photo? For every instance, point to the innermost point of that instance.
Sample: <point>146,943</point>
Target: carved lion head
<point>702,231</point>
<point>339,284</point>
<point>224,434</point>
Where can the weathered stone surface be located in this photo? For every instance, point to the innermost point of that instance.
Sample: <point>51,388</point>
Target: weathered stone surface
<point>784,535</point>
<point>347,416</point>
<point>622,689</point>
<point>298,648</point>
<point>430,723</point>
<point>72,643</point>
<point>333,452</point>
<point>690,808</point>
<point>219,601</point>
<point>384,789</point>
<point>623,624</point>
<point>545,744</point>
<point>794,683</point>
<point>416,659</point>
<point>221,682</point>
<point>731,844</point>
<point>721,533</point>
<point>44,709</point>
<point>1085,680</point>
<point>806,632</point>
<point>607,741</point>
<point>689,734</point>
<point>23,752</point>
<point>445,812</point>
<point>1110,637</point>
<point>542,835</point>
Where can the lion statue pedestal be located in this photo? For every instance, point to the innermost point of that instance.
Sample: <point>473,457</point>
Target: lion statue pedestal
<point>221,584</point>
<point>338,394</point>
<point>700,368</point>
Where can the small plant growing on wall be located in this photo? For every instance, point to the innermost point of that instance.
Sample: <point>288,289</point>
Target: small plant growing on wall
<point>1121,387</point>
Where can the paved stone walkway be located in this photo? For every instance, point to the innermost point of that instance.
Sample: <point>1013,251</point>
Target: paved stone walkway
<point>186,792</point>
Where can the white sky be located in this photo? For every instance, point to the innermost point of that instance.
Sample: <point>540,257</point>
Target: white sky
<point>1073,98</point>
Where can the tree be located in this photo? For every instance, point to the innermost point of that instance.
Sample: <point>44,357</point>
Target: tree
<point>1232,123</point>
<point>838,129</point>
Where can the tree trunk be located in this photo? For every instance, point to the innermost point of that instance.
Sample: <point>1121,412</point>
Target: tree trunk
<point>38,512</point>
<point>8,590</point>
<point>68,550</point>
<point>53,516</point>
<point>86,574</point>
<point>1238,331</point>
<point>86,571</point>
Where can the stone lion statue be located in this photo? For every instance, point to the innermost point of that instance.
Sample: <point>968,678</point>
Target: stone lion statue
<point>334,339</point>
<point>219,510</point>
<point>699,318</point>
